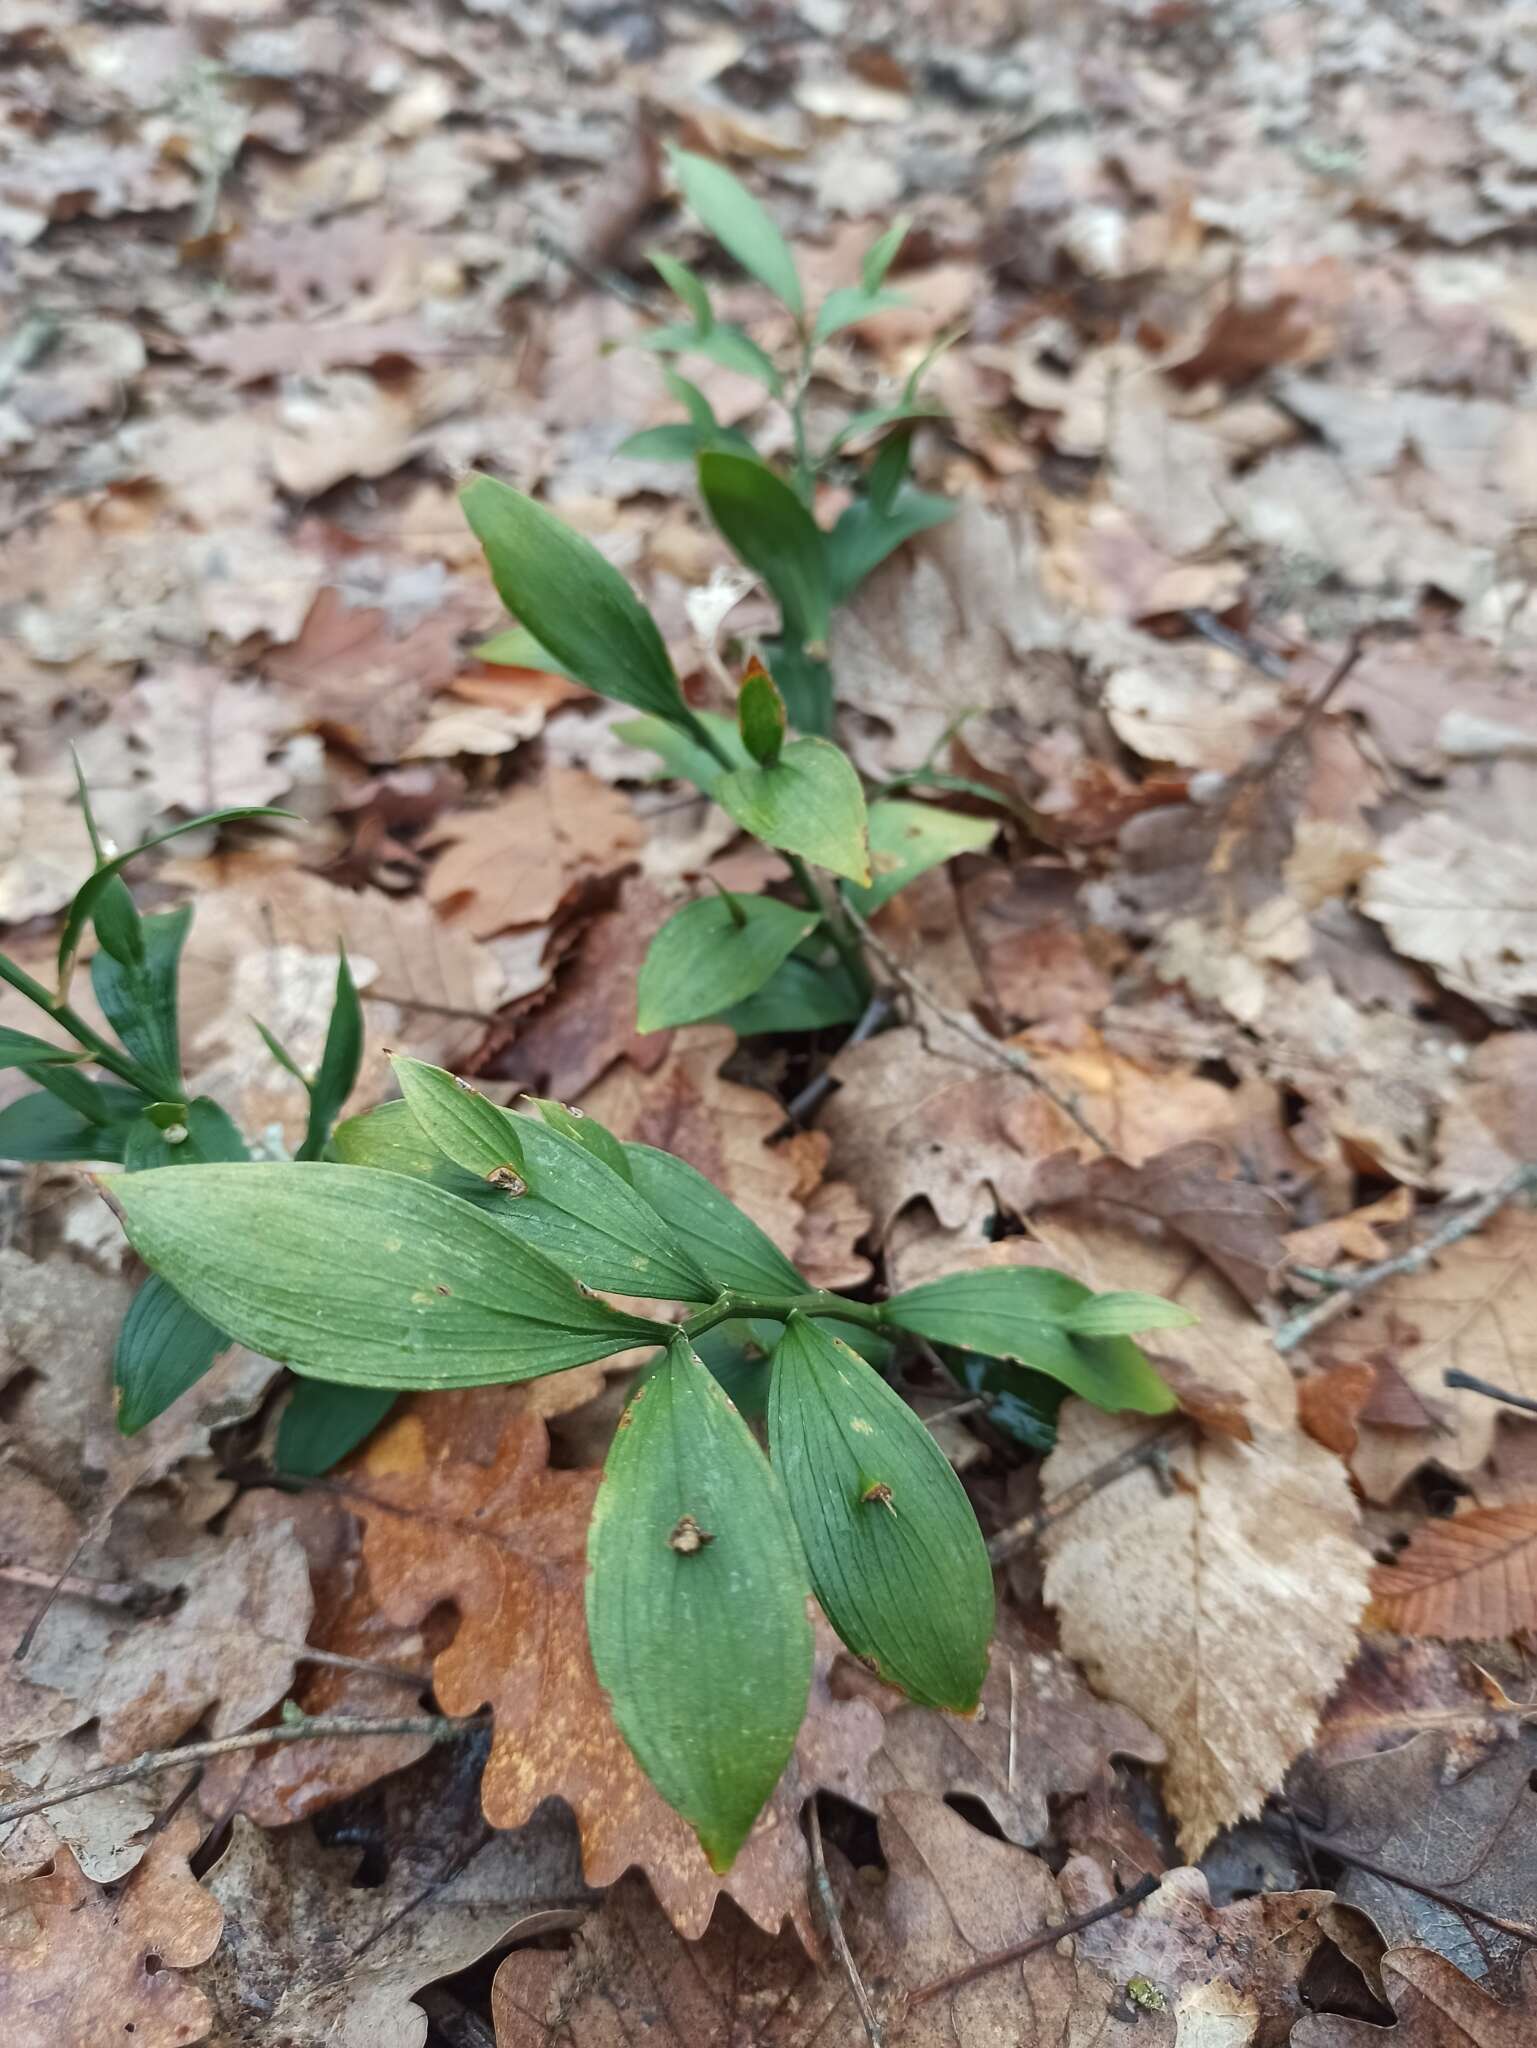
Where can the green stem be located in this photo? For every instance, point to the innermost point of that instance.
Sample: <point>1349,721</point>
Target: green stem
<point>115,1063</point>
<point>776,1308</point>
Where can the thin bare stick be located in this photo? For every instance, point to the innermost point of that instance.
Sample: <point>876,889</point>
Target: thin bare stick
<point>106,1592</point>
<point>1516,1929</point>
<point>1004,1055</point>
<point>1144,1888</point>
<point>1351,1286</point>
<point>840,1940</point>
<point>1456,1378</point>
<point>307,1728</point>
<point>800,1106</point>
<point>306,1653</point>
<point>1015,1535</point>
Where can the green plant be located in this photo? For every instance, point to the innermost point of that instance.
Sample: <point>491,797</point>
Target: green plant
<point>761,964</point>
<point>770,521</point>
<point>449,1242</point>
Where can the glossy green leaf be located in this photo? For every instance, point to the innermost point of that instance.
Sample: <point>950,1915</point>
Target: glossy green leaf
<point>196,1133</point>
<point>723,343</point>
<point>324,1421</point>
<point>337,1074</point>
<point>91,890</point>
<point>97,1101</point>
<point>686,285</point>
<point>702,960</point>
<point>365,1277</point>
<point>741,225</point>
<point>517,648</point>
<point>696,1603</point>
<point>1019,1312</point>
<point>596,1138</point>
<point>683,755</point>
<point>800,995</point>
<point>1123,1315</point>
<point>557,1194</point>
<point>906,839</point>
<point>772,531</point>
<point>391,1139</point>
<point>760,715</point>
<point>163,1347</point>
<point>865,535</point>
<point>22,1049</point>
<point>880,255</point>
<point>39,1127</point>
<point>118,925</point>
<point>808,802</point>
<point>139,1000</point>
<point>896,1557</point>
<point>850,303</point>
<point>726,1243</point>
<point>573,601</point>
<point>679,441</point>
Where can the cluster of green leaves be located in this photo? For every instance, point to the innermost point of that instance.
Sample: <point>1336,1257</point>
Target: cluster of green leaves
<point>449,1242</point>
<point>770,521</point>
<point>761,964</point>
<point>144,1117</point>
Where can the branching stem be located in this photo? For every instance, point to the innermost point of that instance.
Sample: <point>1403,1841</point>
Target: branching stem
<point>778,1307</point>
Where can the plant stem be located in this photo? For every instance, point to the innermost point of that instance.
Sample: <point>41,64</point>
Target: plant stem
<point>115,1063</point>
<point>777,1308</point>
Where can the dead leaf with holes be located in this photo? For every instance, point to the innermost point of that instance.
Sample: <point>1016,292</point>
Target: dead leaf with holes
<point>1436,2007</point>
<point>83,1965</point>
<point>314,1958</point>
<point>518,861</point>
<point>1463,1577</point>
<point>458,1503</point>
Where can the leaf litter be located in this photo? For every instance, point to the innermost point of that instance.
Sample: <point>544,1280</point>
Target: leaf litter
<point>1240,315</point>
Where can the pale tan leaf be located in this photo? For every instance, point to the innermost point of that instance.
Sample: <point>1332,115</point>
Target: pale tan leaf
<point>1460,902</point>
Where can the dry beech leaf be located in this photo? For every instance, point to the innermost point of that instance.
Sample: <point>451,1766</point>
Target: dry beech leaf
<point>1181,1945</point>
<point>458,1503</point>
<point>1039,1736</point>
<point>1462,903</point>
<point>1467,1576</point>
<point>312,1958</point>
<point>82,1965</point>
<point>1437,2007</point>
<point>517,862</point>
<point>1475,1309</point>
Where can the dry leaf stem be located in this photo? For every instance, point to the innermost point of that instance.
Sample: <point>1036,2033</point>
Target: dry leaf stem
<point>840,1941</point>
<point>1351,1286</point>
<point>1015,1535</point>
<point>1144,1888</point>
<point>307,1728</point>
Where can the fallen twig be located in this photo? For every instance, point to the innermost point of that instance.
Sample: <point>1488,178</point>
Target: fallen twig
<point>1144,1888</point>
<point>1005,1055</point>
<point>1351,1286</point>
<point>1295,1826</point>
<point>840,1941</point>
<point>1015,1535</point>
<point>1473,1385</point>
<point>305,1728</point>
<point>800,1106</point>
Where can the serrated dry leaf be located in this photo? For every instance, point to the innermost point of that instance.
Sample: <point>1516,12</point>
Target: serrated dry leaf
<point>1462,903</point>
<point>517,862</point>
<point>1475,1309</point>
<point>1436,2007</point>
<point>458,1503</point>
<point>83,1965</point>
<point>1462,1577</point>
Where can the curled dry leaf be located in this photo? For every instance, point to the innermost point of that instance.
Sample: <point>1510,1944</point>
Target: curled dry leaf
<point>1436,2007</point>
<point>458,1503</point>
<point>1469,1576</point>
<point>82,1964</point>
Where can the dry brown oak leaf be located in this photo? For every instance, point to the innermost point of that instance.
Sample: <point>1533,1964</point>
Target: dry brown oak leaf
<point>1475,1309</point>
<point>312,1958</point>
<point>1436,2007</point>
<point>1468,1576</point>
<point>1467,1832</point>
<point>458,1503</point>
<point>84,1967</point>
<point>950,1896</point>
<point>1039,1736</point>
<point>516,862</point>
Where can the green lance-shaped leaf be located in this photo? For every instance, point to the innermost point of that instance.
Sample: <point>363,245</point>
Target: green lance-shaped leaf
<point>849,303</point>
<point>23,1049</point>
<point>866,533</point>
<point>696,1603</point>
<point>324,1421</point>
<point>773,533</point>
<point>800,995</point>
<point>337,1074</point>
<point>587,1132</point>
<point>906,839</point>
<point>1123,1315</point>
<point>573,602</point>
<point>1023,1312</point>
<point>681,754</point>
<point>739,223</point>
<point>761,715</point>
<point>878,258</point>
<point>726,1243</point>
<point>138,997</point>
<point>366,1277</point>
<point>687,284</point>
<point>712,953</point>
<point>808,802</point>
<point>41,1126</point>
<point>561,1197</point>
<point>181,1134</point>
<point>163,1347</point>
<point>896,1557</point>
